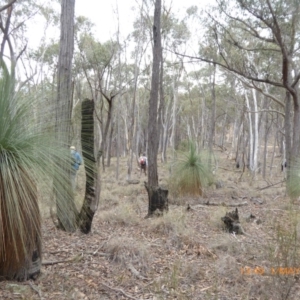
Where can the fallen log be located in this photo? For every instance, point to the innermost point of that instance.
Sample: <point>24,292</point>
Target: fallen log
<point>238,204</point>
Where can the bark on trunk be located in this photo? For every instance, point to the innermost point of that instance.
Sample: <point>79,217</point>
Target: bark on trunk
<point>213,115</point>
<point>92,186</point>
<point>157,196</point>
<point>158,199</point>
<point>153,103</point>
<point>110,144</point>
<point>66,209</point>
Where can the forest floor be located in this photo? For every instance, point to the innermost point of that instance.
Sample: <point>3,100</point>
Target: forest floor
<point>184,254</point>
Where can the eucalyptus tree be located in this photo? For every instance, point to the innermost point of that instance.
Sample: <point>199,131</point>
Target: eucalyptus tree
<point>98,61</point>
<point>142,36</point>
<point>174,35</point>
<point>246,38</point>
<point>157,196</point>
<point>15,19</point>
<point>153,101</point>
<point>8,25</point>
<point>139,50</point>
<point>63,109</point>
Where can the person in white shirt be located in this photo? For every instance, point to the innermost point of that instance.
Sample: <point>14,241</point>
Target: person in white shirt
<point>143,163</point>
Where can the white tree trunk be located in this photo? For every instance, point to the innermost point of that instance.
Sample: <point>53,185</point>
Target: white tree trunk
<point>255,135</point>
<point>250,133</point>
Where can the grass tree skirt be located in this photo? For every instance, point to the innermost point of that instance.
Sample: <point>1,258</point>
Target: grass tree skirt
<point>158,199</point>
<point>20,248</point>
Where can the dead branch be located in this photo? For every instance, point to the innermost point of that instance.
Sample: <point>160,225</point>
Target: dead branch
<point>224,204</point>
<point>98,253</point>
<point>37,290</point>
<point>270,185</point>
<point>226,169</point>
<point>7,5</point>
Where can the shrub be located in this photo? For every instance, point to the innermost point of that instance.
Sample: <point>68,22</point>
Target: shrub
<point>191,173</point>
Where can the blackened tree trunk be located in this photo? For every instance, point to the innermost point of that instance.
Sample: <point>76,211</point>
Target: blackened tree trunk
<point>92,185</point>
<point>157,197</point>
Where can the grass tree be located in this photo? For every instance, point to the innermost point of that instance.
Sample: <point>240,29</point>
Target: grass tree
<point>28,151</point>
<point>191,173</point>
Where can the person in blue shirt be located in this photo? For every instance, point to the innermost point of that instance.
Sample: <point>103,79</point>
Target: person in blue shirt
<point>75,163</point>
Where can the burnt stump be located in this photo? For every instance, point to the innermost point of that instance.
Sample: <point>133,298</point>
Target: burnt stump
<point>232,222</point>
<point>158,199</point>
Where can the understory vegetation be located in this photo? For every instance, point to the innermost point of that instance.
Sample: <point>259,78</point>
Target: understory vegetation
<point>183,254</point>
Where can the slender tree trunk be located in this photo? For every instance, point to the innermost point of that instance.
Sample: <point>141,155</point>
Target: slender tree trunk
<point>66,210</point>
<point>266,133</point>
<point>161,110</point>
<point>118,136</point>
<point>273,155</point>
<point>255,131</point>
<point>112,127</point>
<point>213,117</point>
<point>157,196</point>
<point>250,133</point>
<point>153,103</point>
<point>175,97</point>
<point>288,128</point>
<point>103,147</point>
<point>202,129</point>
<point>222,137</point>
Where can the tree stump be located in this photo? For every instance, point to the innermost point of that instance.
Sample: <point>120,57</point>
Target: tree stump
<point>232,222</point>
<point>158,199</point>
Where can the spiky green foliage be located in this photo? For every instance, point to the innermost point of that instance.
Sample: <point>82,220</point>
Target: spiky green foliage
<point>28,155</point>
<point>192,173</point>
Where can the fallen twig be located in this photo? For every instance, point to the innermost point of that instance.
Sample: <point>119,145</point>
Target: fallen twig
<point>206,288</point>
<point>75,258</point>
<point>119,291</point>
<point>224,204</point>
<point>35,289</point>
<point>135,272</point>
<point>227,169</point>
<point>270,185</point>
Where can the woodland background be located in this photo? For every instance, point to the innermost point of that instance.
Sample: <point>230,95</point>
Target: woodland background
<point>199,101</point>
<point>227,83</point>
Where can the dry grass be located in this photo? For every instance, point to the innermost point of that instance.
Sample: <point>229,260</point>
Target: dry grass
<point>215,217</point>
<point>180,255</point>
<point>123,214</point>
<point>174,228</point>
<point>125,250</point>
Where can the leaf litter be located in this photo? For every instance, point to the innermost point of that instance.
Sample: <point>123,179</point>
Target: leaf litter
<point>185,254</point>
